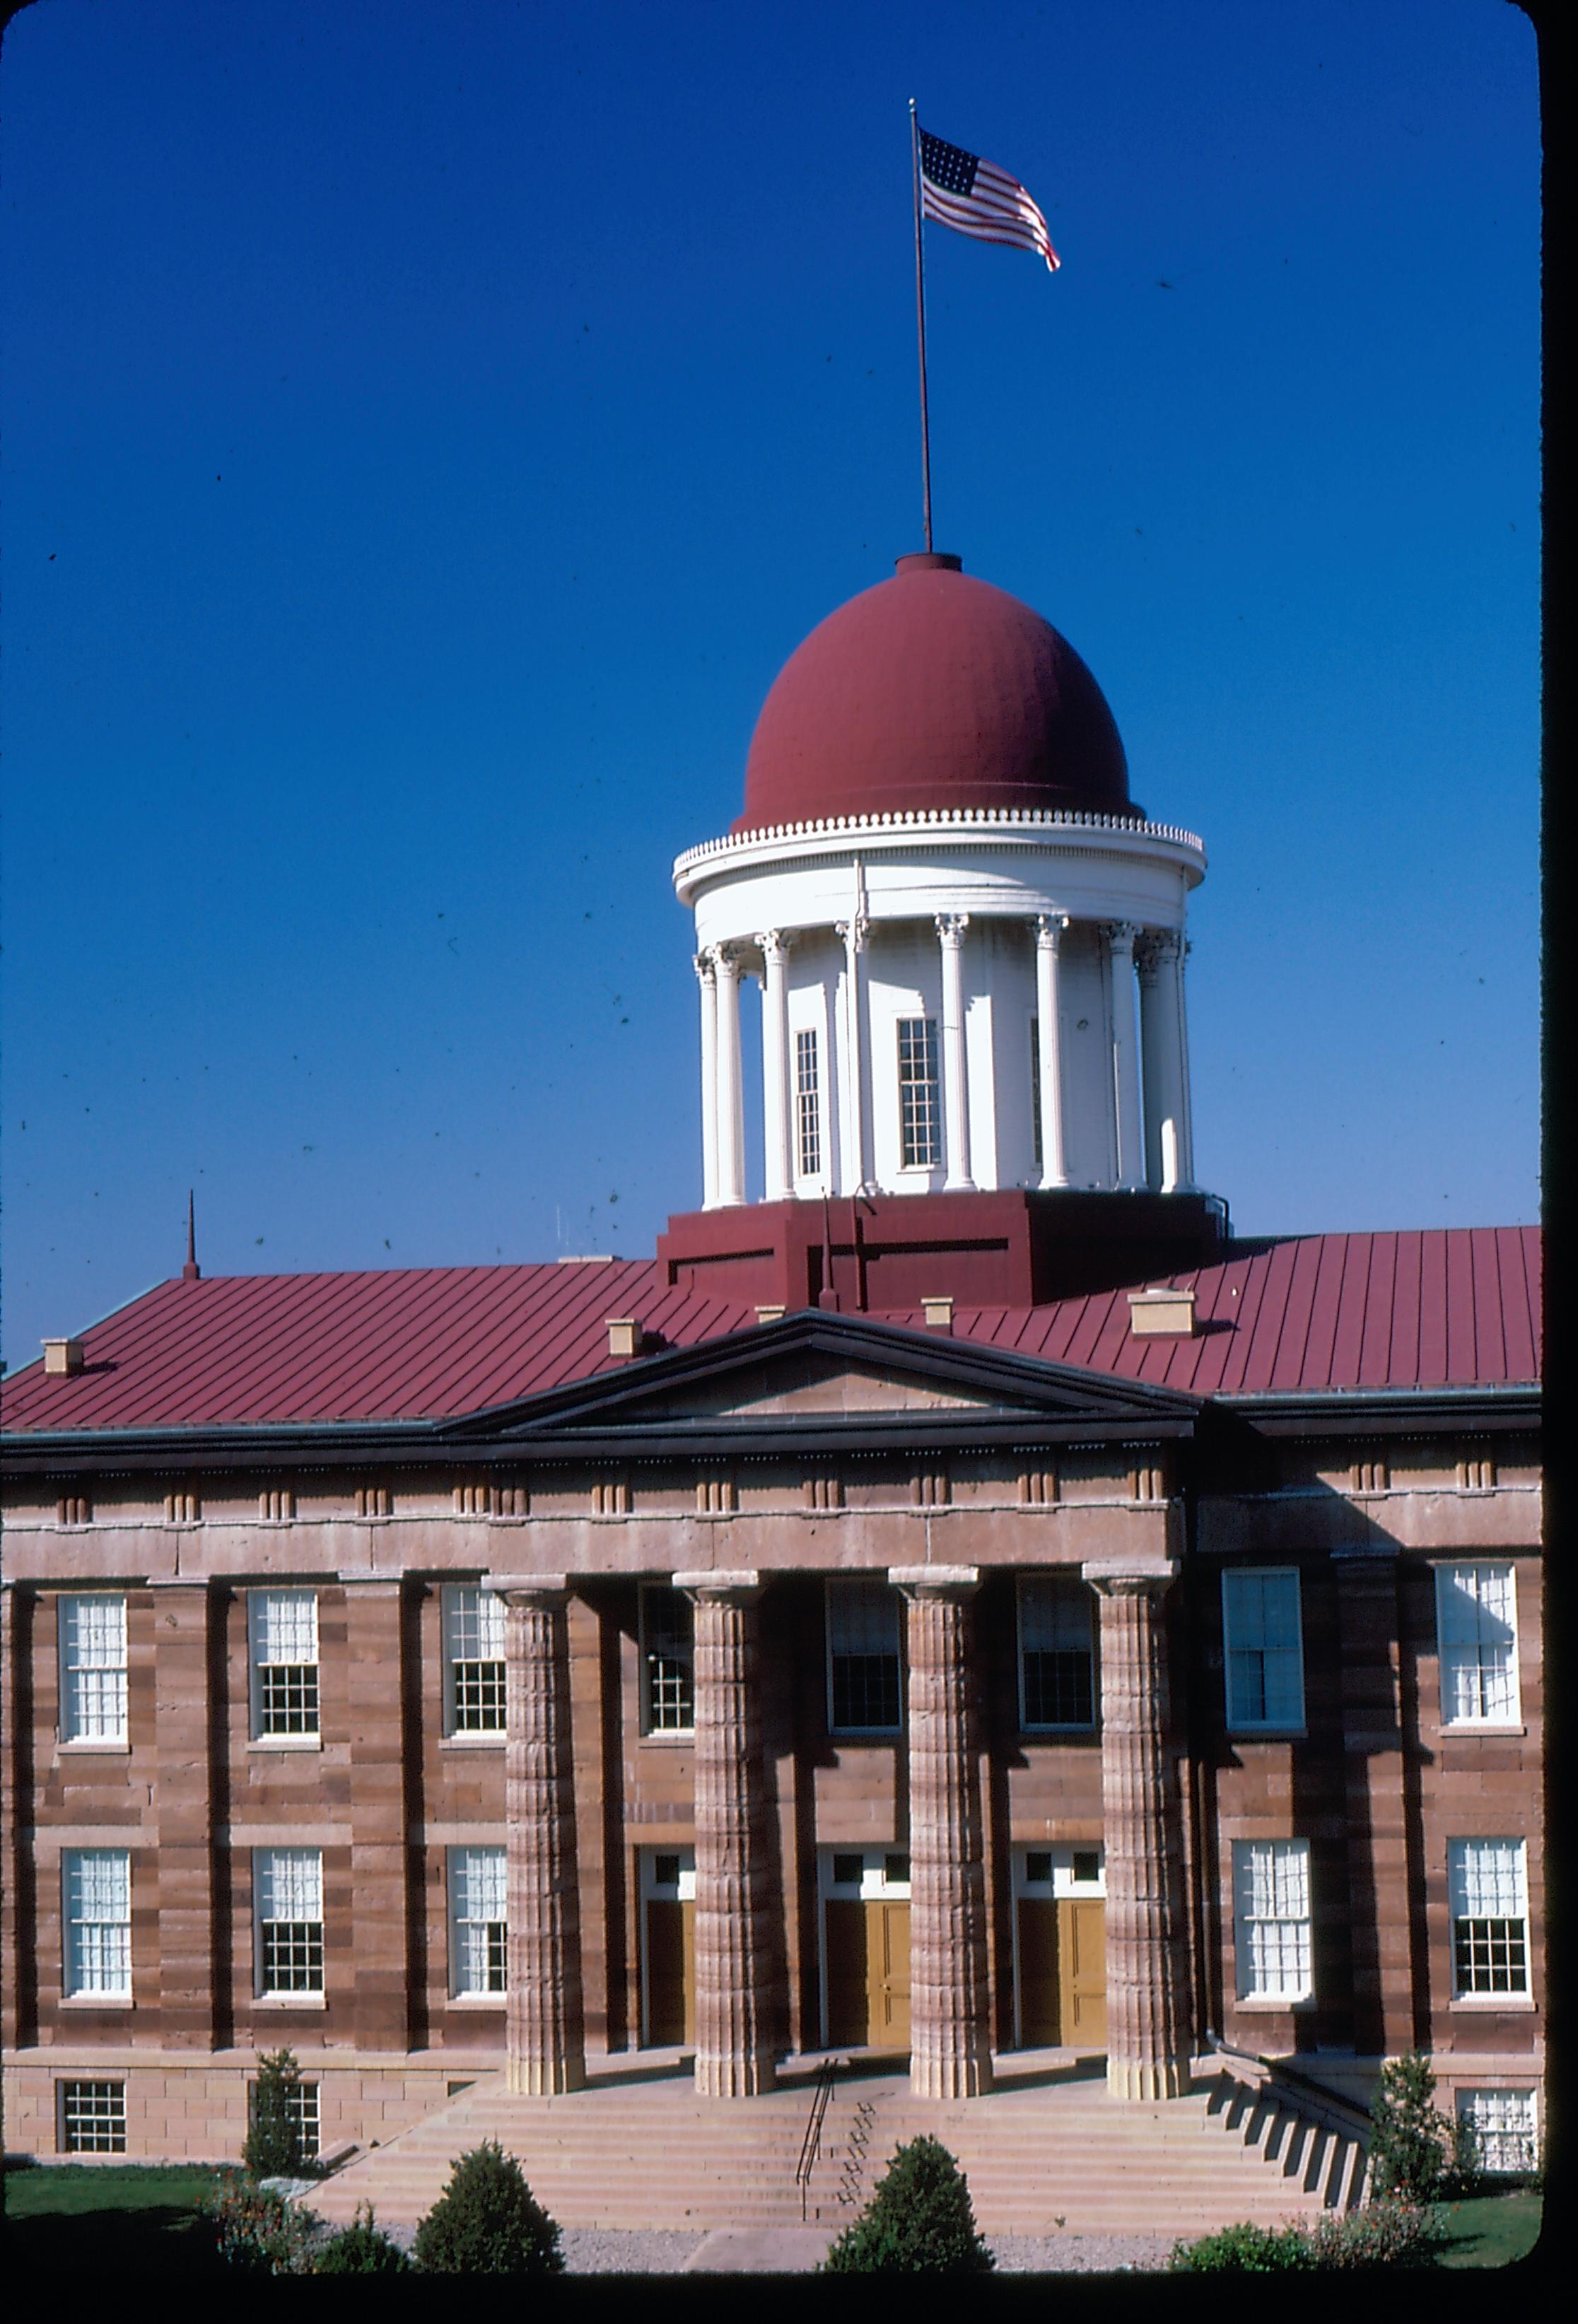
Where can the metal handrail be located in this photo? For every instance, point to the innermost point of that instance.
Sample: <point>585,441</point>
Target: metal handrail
<point>811,2145</point>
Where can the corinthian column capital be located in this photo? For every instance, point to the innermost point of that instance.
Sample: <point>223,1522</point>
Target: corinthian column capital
<point>1051,928</point>
<point>1121,934</point>
<point>951,927</point>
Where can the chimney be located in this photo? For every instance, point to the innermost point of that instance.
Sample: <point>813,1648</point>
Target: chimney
<point>1162,1314</point>
<point>938,1313</point>
<point>64,1357</point>
<point>624,1336</point>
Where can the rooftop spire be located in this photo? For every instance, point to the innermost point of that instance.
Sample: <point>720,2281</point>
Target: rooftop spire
<point>192,1272</point>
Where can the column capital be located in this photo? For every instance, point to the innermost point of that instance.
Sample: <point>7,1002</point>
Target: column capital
<point>703,962</point>
<point>1050,927</point>
<point>776,944</point>
<point>1122,933</point>
<point>728,959</point>
<point>921,1582</point>
<point>853,932</point>
<point>740,1587</point>
<point>1115,1577</point>
<point>951,927</point>
<point>544,1590</point>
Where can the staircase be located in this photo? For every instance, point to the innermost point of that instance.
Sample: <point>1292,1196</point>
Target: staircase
<point>1044,2154</point>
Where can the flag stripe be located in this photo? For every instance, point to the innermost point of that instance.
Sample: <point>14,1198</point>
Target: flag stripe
<point>995,208</point>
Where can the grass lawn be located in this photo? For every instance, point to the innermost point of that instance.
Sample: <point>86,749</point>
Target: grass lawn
<point>73,2215</point>
<point>1489,2230</point>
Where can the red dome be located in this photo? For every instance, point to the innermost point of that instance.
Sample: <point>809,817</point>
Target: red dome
<point>933,690</point>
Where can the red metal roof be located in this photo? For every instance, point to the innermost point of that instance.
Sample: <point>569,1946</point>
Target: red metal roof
<point>1438,1309</point>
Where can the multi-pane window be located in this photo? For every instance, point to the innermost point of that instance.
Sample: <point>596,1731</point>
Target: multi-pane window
<point>919,1112</point>
<point>667,1662</point>
<point>97,1885</point>
<point>479,1924</point>
<point>288,1889</point>
<point>1505,2127</point>
<point>1035,1092</point>
<point>474,1650</point>
<point>1271,1919</point>
<point>284,1661</point>
<point>302,2112</point>
<point>1476,1628</point>
<point>93,1669</point>
<point>1490,1916</point>
<point>863,1656</point>
<point>1056,1657</point>
<point>808,1108</point>
<point>93,2117</point>
<point>1264,1647</point>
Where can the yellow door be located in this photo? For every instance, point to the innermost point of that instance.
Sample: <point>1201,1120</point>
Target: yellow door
<point>868,1974</point>
<point>671,1972</point>
<point>1040,2015</point>
<point>1081,1972</point>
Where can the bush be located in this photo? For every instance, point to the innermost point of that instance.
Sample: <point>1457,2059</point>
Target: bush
<point>1259,2251</point>
<point>361,2249</point>
<point>273,2135</point>
<point>1411,2142</point>
<point>1389,2234</point>
<point>260,2230</point>
<point>487,2223</point>
<point>919,2221</point>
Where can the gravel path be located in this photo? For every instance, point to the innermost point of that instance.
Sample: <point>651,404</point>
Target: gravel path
<point>611,2250</point>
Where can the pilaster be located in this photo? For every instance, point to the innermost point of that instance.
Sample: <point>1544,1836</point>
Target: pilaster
<point>545,2024</point>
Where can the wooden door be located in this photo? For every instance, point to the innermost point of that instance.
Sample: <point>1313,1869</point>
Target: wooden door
<point>1040,2014</point>
<point>1081,1972</point>
<point>671,1972</point>
<point>868,1974</point>
<point>888,1975</point>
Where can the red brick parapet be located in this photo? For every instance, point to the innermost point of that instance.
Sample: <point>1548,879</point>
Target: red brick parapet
<point>950,2011</point>
<point>733,1993</point>
<point>545,2026</point>
<point>1147,2005</point>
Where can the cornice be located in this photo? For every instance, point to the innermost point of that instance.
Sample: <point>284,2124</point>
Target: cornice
<point>997,826</point>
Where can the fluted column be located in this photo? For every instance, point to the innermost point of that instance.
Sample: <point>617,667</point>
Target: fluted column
<point>734,1994</point>
<point>730,1111</point>
<point>950,2009</point>
<point>852,1140</point>
<point>950,929</point>
<point>1120,935</point>
<point>1049,931</point>
<point>707,980</point>
<point>1148,1994</point>
<point>546,2034</point>
<point>777,1108</point>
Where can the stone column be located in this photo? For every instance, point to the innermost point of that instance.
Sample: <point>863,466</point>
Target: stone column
<point>950,927</point>
<point>777,1104</point>
<point>735,2044</point>
<point>1049,932</point>
<point>851,1141</point>
<point>1120,935</point>
<point>707,980</point>
<point>950,2011</point>
<point>1160,1041</point>
<point>546,2036</point>
<point>730,1114</point>
<point>183,1813</point>
<point>1148,1991</point>
<point>1186,1103</point>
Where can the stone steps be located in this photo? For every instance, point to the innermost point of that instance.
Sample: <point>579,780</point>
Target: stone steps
<point>653,2155</point>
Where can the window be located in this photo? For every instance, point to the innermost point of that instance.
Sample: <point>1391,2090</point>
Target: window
<point>474,1650</point>
<point>479,1924</point>
<point>1264,1647</point>
<point>1476,1629</point>
<point>1056,1683</point>
<point>808,1108</point>
<point>284,1661</point>
<point>1505,2127</point>
<point>93,2117</point>
<point>98,1891</point>
<point>863,1656</point>
<point>93,1670</point>
<point>918,1111</point>
<point>1035,1092</point>
<point>302,2111</point>
<point>1490,1923</point>
<point>667,1662</point>
<point>288,1887</point>
<point>1270,1903</point>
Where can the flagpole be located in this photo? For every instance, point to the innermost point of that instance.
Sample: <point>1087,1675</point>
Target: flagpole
<point>920,324</point>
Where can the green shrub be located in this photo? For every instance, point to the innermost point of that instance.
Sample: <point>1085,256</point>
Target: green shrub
<point>1387,2234</point>
<point>487,2223</point>
<point>1259,2251</point>
<point>260,2231</point>
<point>1411,2142</point>
<point>919,2221</point>
<point>274,2135</point>
<point>361,2249</point>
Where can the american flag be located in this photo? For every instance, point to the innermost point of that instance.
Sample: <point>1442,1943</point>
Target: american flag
<point>976,197</point>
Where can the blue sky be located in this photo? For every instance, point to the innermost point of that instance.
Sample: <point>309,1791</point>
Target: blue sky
<point>430,424</point>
